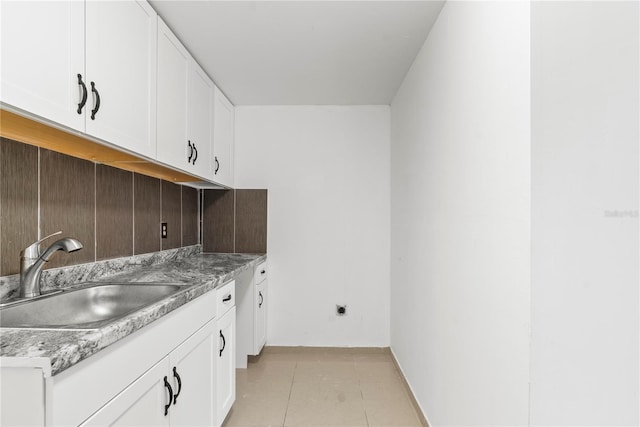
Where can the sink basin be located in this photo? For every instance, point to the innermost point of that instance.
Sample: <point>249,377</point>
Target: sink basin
<point>84,308</point>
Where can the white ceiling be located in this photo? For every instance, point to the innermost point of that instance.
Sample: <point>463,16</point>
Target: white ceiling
<point>303,52</point>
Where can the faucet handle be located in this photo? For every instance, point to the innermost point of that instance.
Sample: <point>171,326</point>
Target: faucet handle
<point>33,250</point>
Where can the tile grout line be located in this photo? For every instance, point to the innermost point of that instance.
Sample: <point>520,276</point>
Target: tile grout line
<point>95,212</point>
<point>133,213</point>
<point>364,408</point>
<point>39,230</point>
<point>295,368</point>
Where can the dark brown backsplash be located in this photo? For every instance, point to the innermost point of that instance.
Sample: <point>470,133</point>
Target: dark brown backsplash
<point>171,214</point>
<point>114,213</point>
<point>251,221</point>
<point>189,216</point>
<point>18,202</point>
<point>218,221</point>
<point>67,204</point>
<point>235,221</point>
<point>146,214</point>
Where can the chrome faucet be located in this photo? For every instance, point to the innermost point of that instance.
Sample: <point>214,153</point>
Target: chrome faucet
<point>31,262</point>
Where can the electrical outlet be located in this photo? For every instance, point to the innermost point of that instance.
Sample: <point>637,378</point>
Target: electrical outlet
<point>341,310</point>
<point>163,230</point>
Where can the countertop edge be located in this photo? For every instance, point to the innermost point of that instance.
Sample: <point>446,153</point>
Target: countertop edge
<point>88,343</point>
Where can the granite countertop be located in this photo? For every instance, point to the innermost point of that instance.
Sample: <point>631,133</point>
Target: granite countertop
<point>56,350</point>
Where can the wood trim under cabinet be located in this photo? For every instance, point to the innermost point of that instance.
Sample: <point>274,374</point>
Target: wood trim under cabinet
<point>32,132</point>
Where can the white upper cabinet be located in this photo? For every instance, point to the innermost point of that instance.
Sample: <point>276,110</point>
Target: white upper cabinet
<point>90,66</point>
<point>115,71</point>
<point>199,119</point>
<point>42,50</point>
<point>173,73</point>
<point>185,103</point>
<point>121,69</point>
<point>223,134</point>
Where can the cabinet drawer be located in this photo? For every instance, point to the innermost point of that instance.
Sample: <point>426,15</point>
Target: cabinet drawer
<point>260,272</point>
<point>225,298</point>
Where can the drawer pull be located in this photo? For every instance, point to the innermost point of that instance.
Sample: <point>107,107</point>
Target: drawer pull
<point>227,298</point>
<point>177,377</point>
<point>263,271</point>
<point>190,151</point>
<point>215,158</point>
<point>261,299</point>
<point>224,343</point>
<point>168,386</point>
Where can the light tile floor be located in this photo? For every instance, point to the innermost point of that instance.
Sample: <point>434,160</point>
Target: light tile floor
<point>305,386</point>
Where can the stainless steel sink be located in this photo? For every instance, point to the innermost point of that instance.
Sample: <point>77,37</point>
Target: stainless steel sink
<point>84,308</point>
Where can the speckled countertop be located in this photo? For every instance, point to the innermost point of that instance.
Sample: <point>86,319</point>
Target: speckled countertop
<point>56,350</point>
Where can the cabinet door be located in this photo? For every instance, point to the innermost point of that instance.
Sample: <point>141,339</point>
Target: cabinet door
<point>223,134</point>
<point>121,56</point>
<point>141,404</point>
<point>192,367</point>
<point>260,318</point>
<point>173,73</point>
<point>226,364</point>
<point>42,52</point>
<point>199,118</point>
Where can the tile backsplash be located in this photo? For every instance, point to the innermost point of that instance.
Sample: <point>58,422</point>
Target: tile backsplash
<point>235,221</point>
<point>114,213</point>
<point>218,221</point>
<point>67,203</point>
<point>18,201</point>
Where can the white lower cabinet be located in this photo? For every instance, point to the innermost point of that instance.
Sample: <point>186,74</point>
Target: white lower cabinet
<point>177,371</point>
<point>260,317</point>
<point>260,308</point>
<point>178,391</point>
<point>226,350</point>
<point>141,404</point>
<point>252,305</point>
<point>193,378</point>
<point>226,365</point>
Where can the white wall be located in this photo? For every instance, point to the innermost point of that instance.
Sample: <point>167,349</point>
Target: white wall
<point>585,130</point>
<point>327,172</point>
<point>460,217</point>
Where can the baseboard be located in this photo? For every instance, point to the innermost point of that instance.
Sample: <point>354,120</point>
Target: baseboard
<point>306,348</point>
<point>421,415</point>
